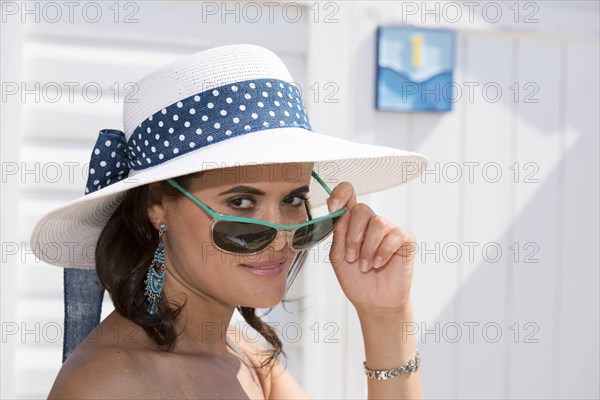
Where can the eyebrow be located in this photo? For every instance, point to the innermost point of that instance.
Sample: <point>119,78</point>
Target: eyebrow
<point>258,192</point>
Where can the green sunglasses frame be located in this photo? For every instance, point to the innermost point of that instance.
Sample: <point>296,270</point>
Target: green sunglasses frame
<point>223,217</point>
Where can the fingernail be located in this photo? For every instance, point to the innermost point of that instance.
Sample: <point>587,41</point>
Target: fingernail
<point>378,262</point>
<point>364,265</point>
<point>333,206</point>
<point>350,255</point>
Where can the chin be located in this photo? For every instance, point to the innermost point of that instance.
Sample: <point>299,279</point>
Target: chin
<point>264,292</point>
<point>266,298</point>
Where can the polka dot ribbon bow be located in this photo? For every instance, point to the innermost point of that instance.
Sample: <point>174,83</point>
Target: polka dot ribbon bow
<point>193,123</point>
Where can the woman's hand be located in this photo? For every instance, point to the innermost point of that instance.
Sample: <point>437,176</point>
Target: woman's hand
<point>380,292</point>
<point>372,258</point>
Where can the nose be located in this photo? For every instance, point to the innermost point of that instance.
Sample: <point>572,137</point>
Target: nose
<point>281,240</point>
<point>284,237</point>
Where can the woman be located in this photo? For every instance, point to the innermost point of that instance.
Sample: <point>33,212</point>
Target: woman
<point>201,207</point>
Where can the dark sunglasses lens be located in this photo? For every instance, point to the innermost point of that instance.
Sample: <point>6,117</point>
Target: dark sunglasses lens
<point>242,237</point>
<point>310,235</point>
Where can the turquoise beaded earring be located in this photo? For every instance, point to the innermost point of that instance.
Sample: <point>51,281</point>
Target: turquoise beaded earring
<point>155,277</point>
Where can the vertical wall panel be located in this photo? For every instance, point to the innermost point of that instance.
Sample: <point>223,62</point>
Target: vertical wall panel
<point>324,317</point>
<point>487,216</point>
<point>435,219</point>
<point>578,350</point>
<point>10,111</point>
<point>533,238</point>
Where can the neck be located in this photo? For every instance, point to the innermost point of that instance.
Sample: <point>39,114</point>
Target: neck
<point>203,321</point>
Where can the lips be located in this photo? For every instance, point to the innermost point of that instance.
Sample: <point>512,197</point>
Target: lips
<point>265,264</point>
<point>265,268</point>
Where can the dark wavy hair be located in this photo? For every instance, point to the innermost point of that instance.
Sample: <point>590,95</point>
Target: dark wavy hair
<point>124,251</point>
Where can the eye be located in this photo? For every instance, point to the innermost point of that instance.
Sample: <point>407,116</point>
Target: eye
<point>300,200</point>
<point>242,203</point>
<point>246,204</point>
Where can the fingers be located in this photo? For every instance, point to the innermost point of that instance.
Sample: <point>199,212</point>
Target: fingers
<point>397,241</point>
<point>373,240</point>
<point>364,236</point>
<point>359,220</point>
<point>343,195</point>
<point>380,241</point>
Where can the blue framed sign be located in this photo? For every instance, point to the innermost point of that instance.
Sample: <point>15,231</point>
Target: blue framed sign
<point>414,69</point>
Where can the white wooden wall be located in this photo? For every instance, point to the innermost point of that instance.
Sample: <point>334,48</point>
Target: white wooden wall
<point>547,311</point>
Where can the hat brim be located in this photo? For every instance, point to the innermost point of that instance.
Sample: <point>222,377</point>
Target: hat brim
<point>67,236</point>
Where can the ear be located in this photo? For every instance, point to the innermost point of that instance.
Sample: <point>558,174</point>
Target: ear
<point>156,205</point>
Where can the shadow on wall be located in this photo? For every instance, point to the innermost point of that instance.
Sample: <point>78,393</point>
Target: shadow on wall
<point>555,300</point>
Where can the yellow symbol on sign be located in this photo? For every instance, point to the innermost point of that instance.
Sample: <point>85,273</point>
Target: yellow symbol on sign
<point>417,47</point>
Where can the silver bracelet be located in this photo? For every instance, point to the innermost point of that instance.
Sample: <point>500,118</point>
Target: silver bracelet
<point>411,366</point>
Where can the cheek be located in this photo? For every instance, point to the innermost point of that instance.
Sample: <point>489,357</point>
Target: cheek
<point>188,235</point>
<point>197,253</point>
<point>189,220</point>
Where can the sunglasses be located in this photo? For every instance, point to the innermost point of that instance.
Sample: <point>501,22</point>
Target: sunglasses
<point>239,235</point>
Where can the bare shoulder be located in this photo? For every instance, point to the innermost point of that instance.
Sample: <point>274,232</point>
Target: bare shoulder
<point>110,363</point>
<point>277,382</point>
<point>98,371</point>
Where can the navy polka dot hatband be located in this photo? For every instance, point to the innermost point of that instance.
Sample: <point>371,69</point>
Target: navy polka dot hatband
<point>197,121</point>
<point>228,106</point>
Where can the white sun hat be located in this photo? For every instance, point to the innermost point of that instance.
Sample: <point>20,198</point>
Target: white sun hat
<point>228,106</point>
